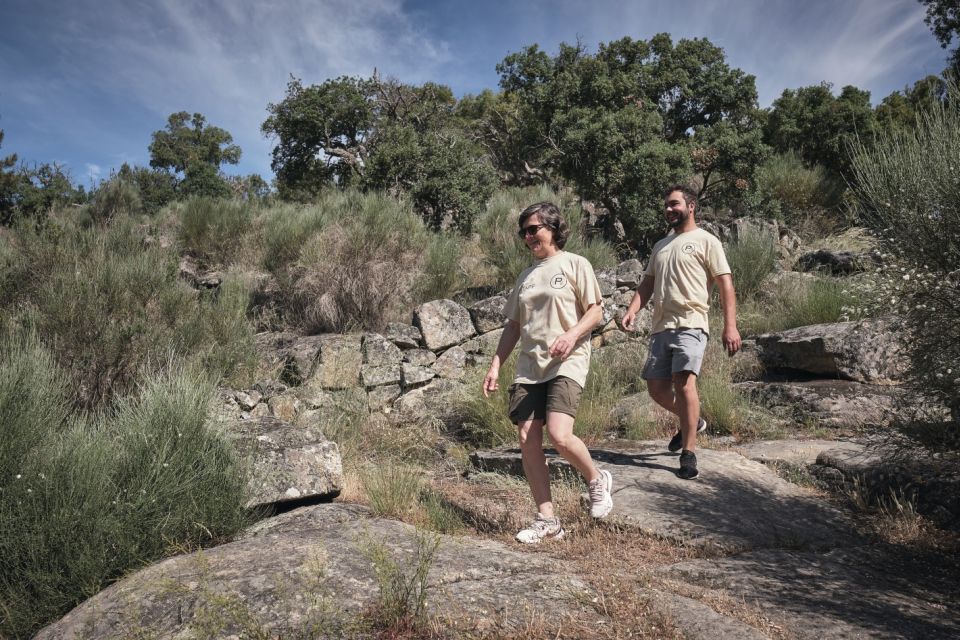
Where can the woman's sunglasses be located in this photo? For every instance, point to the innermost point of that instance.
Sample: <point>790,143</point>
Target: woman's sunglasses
<point>530,230</point>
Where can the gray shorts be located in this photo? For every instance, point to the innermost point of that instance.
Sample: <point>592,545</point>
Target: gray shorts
<point>674,351</point>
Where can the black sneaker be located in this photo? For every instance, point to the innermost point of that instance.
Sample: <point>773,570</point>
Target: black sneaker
<point>676,442</point>
<point>688,465</point>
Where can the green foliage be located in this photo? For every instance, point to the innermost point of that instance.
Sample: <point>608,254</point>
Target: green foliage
<point>822,300</point>
<point>820,126</point>
<point>156,187</point>
<point>907,189</point>
<point>8,185</point>
<point>402,581</point>
<point>380,135</point>
<point>32,193</point>
<point>638,115</point>
<point>215,228</point>
<point>187,141</point>
<point>943,18</point>
<point>787,189</point>
<point>116,197</point>
<point>85,500</point>
<point>108,306</point>
<point>393,488</point>
<point>614,374</point>
<point>752,258</point>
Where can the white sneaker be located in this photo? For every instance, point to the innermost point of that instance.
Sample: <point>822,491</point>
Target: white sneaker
<point>541,528</point>
<point>601,502</point>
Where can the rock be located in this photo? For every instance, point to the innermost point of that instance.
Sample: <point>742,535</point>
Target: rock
<point>435,399</point>
<point>419,357</point>
<point>289,463</point>
<point>745,228</point>
<point>710,512</point>
<point>633,410</point>
<point>451,364</point>
<point>248,400</point>
<point>404,336</point>
<point>622,298</point>
<point>795,452</point>
<point>864,351</point>
<point>608,282</point>
<point>629,273</point>
<point>862,592</point>
<point>273,349</point>
<point>615,336</point>
<point>340,361</point>
<point>484,345</point>
<point>836,404</point>
<point>443,323</point>
<point>333,403</point>
<point>378,351</point>
<point>837,263</point>
<point>414,375</point>
<point>306,574</point>
<point>301,358</point>
<point>285,407</point>
<point>487,315</point>
<point>378,376</point>
<point>379,398</point>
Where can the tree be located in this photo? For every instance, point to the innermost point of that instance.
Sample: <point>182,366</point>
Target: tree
<point>190,147</point>
<point>943,18</point>
<point>900,109</point>
<point>636,116</point>
<point>819,126</point>
<point>8,185</point>
<point>156,187</point>
<point>384,135</point>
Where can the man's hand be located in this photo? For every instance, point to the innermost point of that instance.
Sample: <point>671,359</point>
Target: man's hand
<point>731,340</point>
<point>490,381</point>
<point>563,345</point>
<point>628,319</point>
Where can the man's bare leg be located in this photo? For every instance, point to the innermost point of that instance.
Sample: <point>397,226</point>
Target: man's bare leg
<point>687,403</point>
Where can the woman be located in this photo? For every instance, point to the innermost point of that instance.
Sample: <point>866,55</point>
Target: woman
<point>553,308</point>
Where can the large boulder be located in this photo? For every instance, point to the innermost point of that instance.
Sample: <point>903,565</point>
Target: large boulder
<point>289,463</point>
<point>838,263</point>
<point>629,273</point>
<point>312,573</point>
<point>835,404</point>
<point>405,336</point>
<point>433,400</point>
<point>443,323</point>
<point>487,314</point>
<point>864,351</point>
<point>378,351</point>
<point>339,363</point>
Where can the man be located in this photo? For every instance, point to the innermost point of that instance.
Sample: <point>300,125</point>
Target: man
<point>678,276</point>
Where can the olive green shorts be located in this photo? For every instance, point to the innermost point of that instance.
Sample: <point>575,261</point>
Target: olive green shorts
<point>533,401</point>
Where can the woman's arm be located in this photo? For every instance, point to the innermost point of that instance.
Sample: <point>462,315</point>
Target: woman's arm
<point>508,340</point>
<point>567,341</point>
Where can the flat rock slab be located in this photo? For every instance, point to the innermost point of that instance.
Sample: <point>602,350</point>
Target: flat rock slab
<point>833,404</point>
<point>796,452</point>
<point>305,574</point>
<point>861,592</point>
<point>735,504</point>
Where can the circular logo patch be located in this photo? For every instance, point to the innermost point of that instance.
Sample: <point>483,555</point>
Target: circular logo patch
<point>688,248</point>
<point>558,281</point>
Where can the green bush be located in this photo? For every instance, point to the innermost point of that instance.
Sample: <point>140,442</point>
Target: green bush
<point>822,300</point>
<point>907,190</point>
<point>402,582</point>
<point>752,258</point>
<point>215,228</point>
<point>393,488</point>
<point>788,189</point>
<point>116,197</point>
<point>108,305</point>
<point>86,499</point>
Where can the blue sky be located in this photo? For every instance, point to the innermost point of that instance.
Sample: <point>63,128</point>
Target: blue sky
<point>85,82</point>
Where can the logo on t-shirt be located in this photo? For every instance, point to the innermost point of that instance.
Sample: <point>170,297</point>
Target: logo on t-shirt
<point>558,281</point>
<point>688,248</point>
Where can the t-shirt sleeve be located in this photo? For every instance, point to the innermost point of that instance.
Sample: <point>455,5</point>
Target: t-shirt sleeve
<point>512,308</point>
<point>716,259</point>
<point>588,287</point>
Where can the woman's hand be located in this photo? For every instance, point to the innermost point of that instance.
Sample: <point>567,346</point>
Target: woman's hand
<point>563,345</point>
<point>490,381</point>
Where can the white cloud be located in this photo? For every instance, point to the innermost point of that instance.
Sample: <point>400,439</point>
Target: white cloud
<point>94,171</point>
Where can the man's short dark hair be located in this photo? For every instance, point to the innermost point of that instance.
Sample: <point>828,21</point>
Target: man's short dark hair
<point>689,195</point>
<point>549,215</point>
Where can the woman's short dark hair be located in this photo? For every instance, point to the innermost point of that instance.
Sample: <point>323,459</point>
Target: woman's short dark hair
<point>549,215</point>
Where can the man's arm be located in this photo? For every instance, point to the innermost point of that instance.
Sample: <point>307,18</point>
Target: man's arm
<point>508,340</point>
<point>566,342</point>
<point>640,299</point>
<point>728,299</point>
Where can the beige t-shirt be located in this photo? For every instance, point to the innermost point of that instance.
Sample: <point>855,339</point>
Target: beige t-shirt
<point>683,266</point>
<point>548,299</point>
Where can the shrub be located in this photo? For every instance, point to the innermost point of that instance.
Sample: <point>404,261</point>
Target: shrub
<point>402,582</point>
<point>907,190</point>
<point>392,488</point>
<point>819,301</point>
<point>92,498</point>
<point>788,189</point>
<point>215,228</point>
<point>752,258</point>
<point>614,373</point>
<point>115,198</point>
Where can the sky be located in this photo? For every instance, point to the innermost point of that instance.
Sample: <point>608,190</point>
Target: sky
<point>84,83</point>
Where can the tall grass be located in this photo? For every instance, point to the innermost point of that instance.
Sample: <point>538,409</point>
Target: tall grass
<point>752,258</point>
<point>109,305</point>
<point>216,228</point>
<point>86,499</point>
<point>822,300</point>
